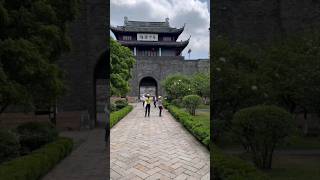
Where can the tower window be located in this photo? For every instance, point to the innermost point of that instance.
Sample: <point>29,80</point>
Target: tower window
<point>127,38</point>
<point>167,39</point>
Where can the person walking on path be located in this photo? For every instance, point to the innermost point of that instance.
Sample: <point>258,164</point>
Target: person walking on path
<point>159,102</point>
<point>148,105</point>
<point>143,98</point>
<point>155,101</point>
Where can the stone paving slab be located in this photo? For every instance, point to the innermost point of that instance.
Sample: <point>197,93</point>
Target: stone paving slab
<point>155,148</point>
<point>87,162</point>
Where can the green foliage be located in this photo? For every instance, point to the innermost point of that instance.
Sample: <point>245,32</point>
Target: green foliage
<point>121,103</point>
<point>33,135</point>
<point>232,168</point>
<point>260,129</point>
<point>191,102</point>
<point>177,86</point>
<point>201,84</point>
<point>177,102</point>
<point>9,145</point>
<point>165,103</point>
<point>38,163</point>
<point>116,116</point>
<point>33,36</point>
<point>289,81</point>
<point>122,61</point>
<point>198,129</point>
<point>236,84</point>
<point>277,74</point>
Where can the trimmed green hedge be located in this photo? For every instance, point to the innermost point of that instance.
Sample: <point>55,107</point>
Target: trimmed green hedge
<point>227,167</point>
<point>116,116</point>
<point>38,163</point>
<point>201,132</point>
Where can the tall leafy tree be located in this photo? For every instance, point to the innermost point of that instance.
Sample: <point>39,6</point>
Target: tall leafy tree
<point>291,71</point>
<point>201,84</point>
<point>122,61</point>
<point>177,86</point>
<point>33,34</point>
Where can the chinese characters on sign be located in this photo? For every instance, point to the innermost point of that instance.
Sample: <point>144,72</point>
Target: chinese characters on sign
<point>147,37</point>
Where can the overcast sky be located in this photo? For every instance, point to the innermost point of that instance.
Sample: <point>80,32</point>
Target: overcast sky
<point>195,13</point>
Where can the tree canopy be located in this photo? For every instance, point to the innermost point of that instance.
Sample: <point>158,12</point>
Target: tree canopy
<point>177,86</point>
<point>33,34</point>
<point>122,61</point>
<point>284,73</point>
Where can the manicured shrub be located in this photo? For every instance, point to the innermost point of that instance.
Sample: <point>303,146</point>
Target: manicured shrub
<point>121,103</point>
<point>260,129</point>
<point>191,102</point>
<point>113,107</point>
<point>177,102</point>
<point>201,132</point>
<point>37,163</point>
<point>227,167</point>
<point>166,103</point>
<point>9,145</point>
<point>33,135</point>
<point>116,116</point>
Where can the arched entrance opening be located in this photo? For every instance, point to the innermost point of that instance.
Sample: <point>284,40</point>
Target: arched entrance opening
<point>148,85</point>
<point>101,90</point>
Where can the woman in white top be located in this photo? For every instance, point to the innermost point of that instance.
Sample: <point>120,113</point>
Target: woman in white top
<point>143,99</point>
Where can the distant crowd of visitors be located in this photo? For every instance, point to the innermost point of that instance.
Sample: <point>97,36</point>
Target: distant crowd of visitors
<point>146,102</point>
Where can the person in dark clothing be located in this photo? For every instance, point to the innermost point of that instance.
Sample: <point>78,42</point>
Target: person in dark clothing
<point>159,102</point>
<point>154,101</point>
<point>148,105</point>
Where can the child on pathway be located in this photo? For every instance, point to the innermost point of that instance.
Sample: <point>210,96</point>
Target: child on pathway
<point>159,102</point>
<point>148,104</point>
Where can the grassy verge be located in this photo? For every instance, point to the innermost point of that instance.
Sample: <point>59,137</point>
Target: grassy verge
<point>295,167</point>
<point>295,159</point>
<point>116,116</point>
<point>226,167</point>
<point>199,126</point>
<point>38,163</point>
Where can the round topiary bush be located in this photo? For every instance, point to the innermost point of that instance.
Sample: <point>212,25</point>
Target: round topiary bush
<point>191,102</point>
<point>33,135</point>
<point>260,129</point>
<point>121,103</point>
<point>9,145</point>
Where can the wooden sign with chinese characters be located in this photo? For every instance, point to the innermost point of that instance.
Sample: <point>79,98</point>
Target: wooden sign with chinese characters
<point>147,37</point>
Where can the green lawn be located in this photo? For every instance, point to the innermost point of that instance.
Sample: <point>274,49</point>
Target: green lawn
<point>286,167</point>
<point>203,118</point>
<point>291,143</point>
<point>303,166</point>
<point>202,115</point>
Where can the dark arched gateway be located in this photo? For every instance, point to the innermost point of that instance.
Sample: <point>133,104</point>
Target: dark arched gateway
<point>101,89</point>
<point>148,85</point>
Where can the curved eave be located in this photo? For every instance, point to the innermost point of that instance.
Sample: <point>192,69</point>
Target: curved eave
<point>181,44</point>
<point>121,29</point>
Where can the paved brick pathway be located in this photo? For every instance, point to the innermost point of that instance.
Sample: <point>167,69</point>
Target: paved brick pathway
<point>156,148</point>
<point>87,162</point>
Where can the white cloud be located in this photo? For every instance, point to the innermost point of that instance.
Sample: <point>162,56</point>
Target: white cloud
<point>192,12</point>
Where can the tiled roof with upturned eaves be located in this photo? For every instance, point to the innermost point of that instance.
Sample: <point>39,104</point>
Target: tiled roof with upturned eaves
<point>147,27</point>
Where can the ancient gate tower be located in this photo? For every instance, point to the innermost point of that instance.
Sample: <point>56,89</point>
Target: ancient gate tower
<point>85,67</point>
<point>157,53</point>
